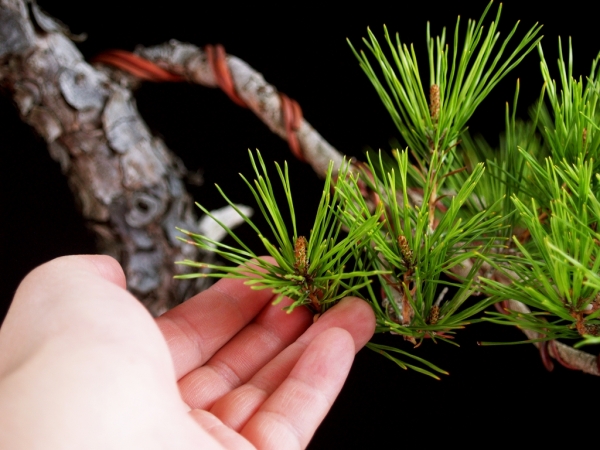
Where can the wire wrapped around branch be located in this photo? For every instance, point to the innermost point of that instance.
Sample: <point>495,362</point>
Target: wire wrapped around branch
<point>281,114</point>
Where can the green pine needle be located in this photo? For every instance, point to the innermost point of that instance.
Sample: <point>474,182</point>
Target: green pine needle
<point>448,216</point>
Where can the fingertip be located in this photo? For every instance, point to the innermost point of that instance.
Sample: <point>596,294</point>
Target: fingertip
<point>292,413</point>
<point>357,317</point>
<point>361,309</point>
<point>326,362</point>
<point>336,338</point>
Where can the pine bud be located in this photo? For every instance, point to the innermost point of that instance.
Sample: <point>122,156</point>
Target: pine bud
<point>434,314</point>
<point>301,263</point>
<point>434,101</point>
<point>407,254</point>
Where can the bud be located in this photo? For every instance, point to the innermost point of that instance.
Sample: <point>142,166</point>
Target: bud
<point>407,253</point>
<point>301,263</point>
<point>434,315</point>
<point>434,101</point>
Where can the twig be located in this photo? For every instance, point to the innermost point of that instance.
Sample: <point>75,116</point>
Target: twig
<point>564,354</point>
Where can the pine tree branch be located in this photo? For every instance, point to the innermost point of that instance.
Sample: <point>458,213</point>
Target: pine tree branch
<point>566,355</point>
<point>262,98</point>
<point>193,64</point>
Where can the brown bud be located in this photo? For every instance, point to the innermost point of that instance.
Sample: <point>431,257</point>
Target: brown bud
<point>407,254</point>
<point>434,315</point>
<point>596,303</point>
<point>301,263</point>
<point>434,101</point>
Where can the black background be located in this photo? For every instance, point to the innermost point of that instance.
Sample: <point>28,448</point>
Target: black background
<point>301,49</point>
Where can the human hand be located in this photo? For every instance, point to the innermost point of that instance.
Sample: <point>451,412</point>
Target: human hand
<point>84,365</point>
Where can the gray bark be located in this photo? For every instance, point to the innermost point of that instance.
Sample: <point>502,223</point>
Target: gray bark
<point>128,184</point>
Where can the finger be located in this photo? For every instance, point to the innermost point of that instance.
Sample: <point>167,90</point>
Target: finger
<point>221,433</point>
<point>199,327</point>
<point>238,406</point>
<point>246,353</point>
<point>290,417</point>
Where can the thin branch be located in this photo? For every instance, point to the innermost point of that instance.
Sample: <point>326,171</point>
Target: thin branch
<point>262,98</point>
<point>566,355</point>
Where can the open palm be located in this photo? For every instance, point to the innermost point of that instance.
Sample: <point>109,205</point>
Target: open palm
<point>83,365</point>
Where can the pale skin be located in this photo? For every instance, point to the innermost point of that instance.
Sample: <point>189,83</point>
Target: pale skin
<point>84,365</point>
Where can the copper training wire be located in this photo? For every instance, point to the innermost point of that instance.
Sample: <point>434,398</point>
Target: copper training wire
<point>545,355</point>
<point>559,358</point>
<point>502,307</point>
<point>292,120</point>
<point>544,346</point>
<point>136,66</point>
<point>217,59</point>
<point>218,63</point>
<point>290,109</point>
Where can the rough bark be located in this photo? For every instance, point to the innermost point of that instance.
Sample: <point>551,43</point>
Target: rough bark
<point>128,184</point>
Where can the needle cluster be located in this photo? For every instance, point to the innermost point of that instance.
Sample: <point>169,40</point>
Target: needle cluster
<point>453,219</point>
